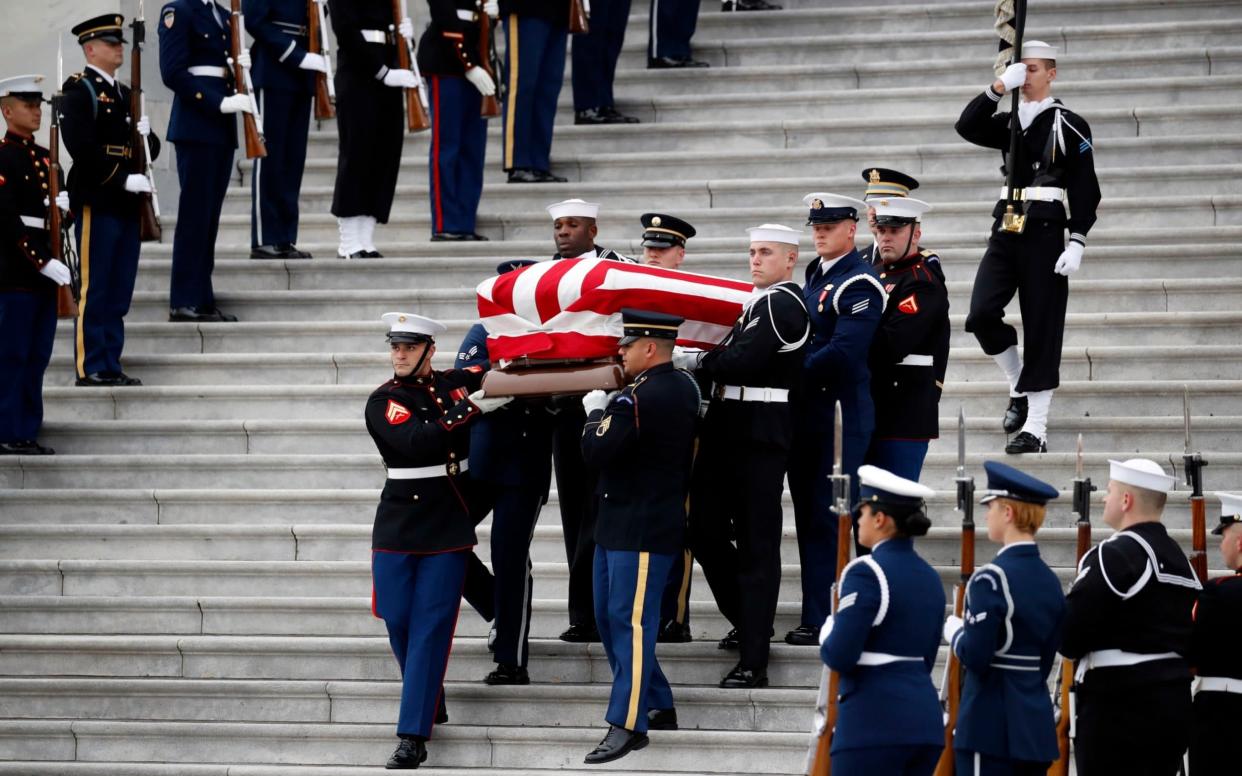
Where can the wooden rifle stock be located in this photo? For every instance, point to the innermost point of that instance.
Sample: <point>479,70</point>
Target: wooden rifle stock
<point>491,106</point>
<point>66,301</point>
<point>579,24</point>
<point>324,109</point>
<point>149,229</point>
<point>415,114</point>
<point>255,147</point>
<point>953,671</point>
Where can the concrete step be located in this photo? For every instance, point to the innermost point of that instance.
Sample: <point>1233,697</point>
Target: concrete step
<point>30,768</point>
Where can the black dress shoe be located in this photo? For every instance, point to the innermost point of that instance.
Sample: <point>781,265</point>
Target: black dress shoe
<point>803,636</point>
<point>674,632</point>
<point>590,116</point>
<point>618,117</point>
<point>409,755</point>
<point>96,380</point>
<point>669,63</point>
<point>1026,442</point>
<point>729,641</point>
<point>546,176</point>
<point>744,678</point>
<point>748,5</point>
<point>616,744</point>
<point>200,315</point>
<point>124,379</point>
<point>38,449</point>
<point>24,447</point>
<point>266,252</point>
<point>580,634</point>
<point>522,175</point>
<point>1015,414</point>
<point>291,251</point>
<point>449,236</point>
<point>507,674</point>
<point>371,255</point>
<point>662,719</point>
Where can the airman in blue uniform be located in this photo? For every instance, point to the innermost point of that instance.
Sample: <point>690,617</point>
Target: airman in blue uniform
<point>845,300</point>
<point>884,637</point>
<point>1008,639</point>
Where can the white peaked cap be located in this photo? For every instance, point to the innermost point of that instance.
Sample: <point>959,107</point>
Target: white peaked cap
<point>1037,49</point>
<point>828,200</point>
<point>409,323</point>
<point>1230,504</point>
<point>574,207</point>
<point>881,479</point>
<point>898,207</point>
<point>21,84</point>
<point>774,233</point>
<point>1141,473</point>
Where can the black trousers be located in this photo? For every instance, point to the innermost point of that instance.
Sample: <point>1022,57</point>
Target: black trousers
<point>1136,731</point>
<point>371,129</point>
<point>575,484</point>
<point>1023,264</point>
<point>735,494</point>
<point>595,54</point>
<point>1213,748</point>
<point>515,512</point>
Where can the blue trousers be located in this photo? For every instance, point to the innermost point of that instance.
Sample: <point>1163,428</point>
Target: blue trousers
<point>514,514</point>
<point>907,760</point>
<point>675,604</point>
<point>204,171</point>
<point>977,764</point>
<point>903,457</point>
<point>534,71</point>
<point>595,54</point>
<point>458,145</point>
<point>418,597</point>
<point>670,28</point>
<point>277,178</point>
<point>628,586</point>
<point>108,247</point>
<point>27,332</point>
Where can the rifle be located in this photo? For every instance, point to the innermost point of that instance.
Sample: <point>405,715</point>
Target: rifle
<point>579,15</point>
<point>491,106</point>
<point>1013,221</point>
<point>148,204</point>
<point>951,685</point>
<point>819,760</point>
<point>325,89</point>
<point>415,100</point>
<point>1194,463</point>
<point>1065,724</point>
<point>252,122</point>
<point>66,296</point>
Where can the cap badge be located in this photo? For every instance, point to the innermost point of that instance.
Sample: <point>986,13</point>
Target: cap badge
<point>874,176</point>
<point>817,204</point>
<point>656,221</point>
<point>884,203</point>
<point>401,319</point>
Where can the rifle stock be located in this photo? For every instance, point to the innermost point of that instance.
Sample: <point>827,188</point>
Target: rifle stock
<point>953,668</point>
<point>324,102</point>
<point>1193,463</point>
<point>1014,221</point>
<point>149,229</point>
<point>66,301</point>
<point>255,147</point>
<point>579,23</point>
<point>491,105</point>
<point>415,114</point>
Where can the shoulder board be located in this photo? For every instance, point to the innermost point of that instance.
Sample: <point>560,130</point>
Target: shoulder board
<point>926,254</point>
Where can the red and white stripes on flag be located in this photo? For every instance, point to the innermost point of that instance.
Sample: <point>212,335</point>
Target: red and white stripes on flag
<point>571,308</point>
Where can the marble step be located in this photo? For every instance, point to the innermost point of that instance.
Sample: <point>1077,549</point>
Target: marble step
<point>30,768</point>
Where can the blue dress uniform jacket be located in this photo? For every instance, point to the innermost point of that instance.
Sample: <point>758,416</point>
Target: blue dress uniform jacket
<point>194,34</point>
<point>281,33</point>
<point>1014,613</point>
<point>892,605</point>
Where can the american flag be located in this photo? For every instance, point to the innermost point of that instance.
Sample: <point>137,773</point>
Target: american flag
<point>571,308</point>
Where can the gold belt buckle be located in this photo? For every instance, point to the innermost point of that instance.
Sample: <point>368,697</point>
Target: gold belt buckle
<point>453,468</point>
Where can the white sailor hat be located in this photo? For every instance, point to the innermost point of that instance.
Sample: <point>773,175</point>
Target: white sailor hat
<point>408,327</point>
<point>896,211</point>
<point>1037,49</point>
<point>777,233</point>
<point>1141,473</point>
<point>829,208</point>
<point>574,207</point>
<point>879,486</point>
<point>1230,511</point>
<point>22,86</point>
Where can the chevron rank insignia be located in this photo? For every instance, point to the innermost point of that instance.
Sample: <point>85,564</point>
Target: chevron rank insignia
<point>396,413</point>
<point>909,305</point>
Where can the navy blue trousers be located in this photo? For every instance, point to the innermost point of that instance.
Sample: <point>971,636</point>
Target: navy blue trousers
<point>108,247</point>
<point>27,332</point>
<point>595,54</point>
<point>419,597</point>
<point>977,764</point>
<point>204,171</point>
<point>458,145</point>
<point>670,28</point>
<point>907,760</point>
<point>903,457</point>
<point>514,514</point>
<point>277,178</point>
<point>534,71</point>
<point>628,586</point>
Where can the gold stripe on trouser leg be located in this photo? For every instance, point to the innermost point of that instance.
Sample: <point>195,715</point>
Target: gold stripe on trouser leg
<point>636,647</point>
<point>683,595</point>
<point>511,95</point>
<point>84,272</point>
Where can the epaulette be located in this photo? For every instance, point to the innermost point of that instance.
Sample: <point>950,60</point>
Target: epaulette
<point>928,254</point>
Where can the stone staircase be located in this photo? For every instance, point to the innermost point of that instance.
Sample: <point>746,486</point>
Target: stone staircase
<point>184,589</point>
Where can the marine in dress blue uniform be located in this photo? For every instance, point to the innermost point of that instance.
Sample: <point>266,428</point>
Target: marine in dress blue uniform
<point>535,36</point>
<point>884,637</point>
<point>910,351</point>
<point>1008,639</point>
<point>29,275</point>
<point>194,51</point>
<point>670,26</point>
<point>424,530</point>
<point>641,440</point>
<point>284,86</point>
<point>104,190</point>
<point>884,183</point>
<point>595,57</point>
<point>845,300</point>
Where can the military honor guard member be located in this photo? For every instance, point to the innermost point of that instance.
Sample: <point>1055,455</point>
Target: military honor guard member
<point>1128,624</point>
<point>1007,642</point>
<point>457,82</point>
<point>745,442</point>
<point>1055,184</point>
<point>883,183</point>
<point>104,192</point>
<point>670,27</point>
<point>641,440</point>
<point>369,110</point>
<point>845,300</point>
<point>420,421</point>
<point>1214,654</point>
<point>535,36</point>
<point>194,64</point>
<point>664,240</point>
<point>595,57</point>
<point>284,87</point>
<point>910,351</point>
<point>574,229</point>
<point>29,276</point>
<point>884,637</point>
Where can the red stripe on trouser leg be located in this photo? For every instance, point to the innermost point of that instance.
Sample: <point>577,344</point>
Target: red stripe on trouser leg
<point>435,155</point>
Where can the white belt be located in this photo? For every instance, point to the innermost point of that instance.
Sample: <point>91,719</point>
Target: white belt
<point>1035,194</point>
<point>748,393</point>
<point>426,472</point>
<point>34,223</point>
<point>883,658</point>
<point>209,71</point>
<point>914,359</point>
<point>375,36</point>
<point>1116,658</point>
<point>467,16</point>
<point>1220,684</point>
